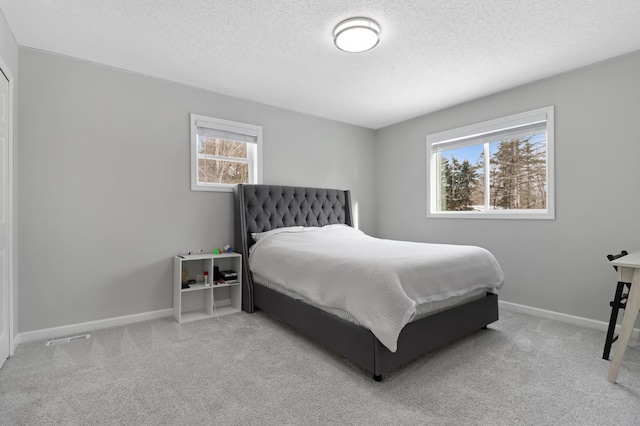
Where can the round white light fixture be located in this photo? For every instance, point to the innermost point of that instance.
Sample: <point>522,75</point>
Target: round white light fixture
<point>356,35</point>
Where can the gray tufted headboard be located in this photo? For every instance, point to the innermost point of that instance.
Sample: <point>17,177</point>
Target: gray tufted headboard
<point>260,208</point>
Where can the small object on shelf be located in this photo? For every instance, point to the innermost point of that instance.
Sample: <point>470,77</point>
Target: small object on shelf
<point>229,275</point>
<point>185,285</point>
<point>228,249</point>
<point>216,251</point>
<point>191,282</point>
<point>206,277</point>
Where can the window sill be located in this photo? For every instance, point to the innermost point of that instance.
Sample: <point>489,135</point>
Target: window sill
<point>213,188</point>
<point>539,215</point>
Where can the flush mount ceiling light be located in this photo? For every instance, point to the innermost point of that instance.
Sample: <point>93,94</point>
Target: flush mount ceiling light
<point>356,35</point>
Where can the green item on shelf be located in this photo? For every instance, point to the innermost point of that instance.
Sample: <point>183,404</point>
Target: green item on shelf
<point>216,251</point>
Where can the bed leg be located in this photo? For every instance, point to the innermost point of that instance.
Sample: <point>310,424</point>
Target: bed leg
<point>377,377</point>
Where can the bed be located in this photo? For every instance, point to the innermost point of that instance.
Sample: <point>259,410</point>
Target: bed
<point>262,208</point>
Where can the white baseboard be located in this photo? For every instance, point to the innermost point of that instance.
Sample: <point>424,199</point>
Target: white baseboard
<point>67,330</point>
<point>15,343</point>
<point>557,316</point>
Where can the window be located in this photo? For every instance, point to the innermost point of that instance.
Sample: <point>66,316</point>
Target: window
<point>224,153</point>
<point>501,168</point>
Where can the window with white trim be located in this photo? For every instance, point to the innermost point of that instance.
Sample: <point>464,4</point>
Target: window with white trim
<point>501,168</point>
<point>224,153</point>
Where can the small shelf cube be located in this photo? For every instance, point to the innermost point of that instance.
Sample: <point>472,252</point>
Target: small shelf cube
<point>205,300</point>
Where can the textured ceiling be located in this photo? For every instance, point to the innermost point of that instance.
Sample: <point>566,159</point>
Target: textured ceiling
<point>433,54</point>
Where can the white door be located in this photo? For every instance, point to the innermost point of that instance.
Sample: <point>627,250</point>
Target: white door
<point>4,227</point>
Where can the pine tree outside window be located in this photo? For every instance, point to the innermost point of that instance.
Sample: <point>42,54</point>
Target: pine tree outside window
<point>501,168</point>
<point>224,153</point>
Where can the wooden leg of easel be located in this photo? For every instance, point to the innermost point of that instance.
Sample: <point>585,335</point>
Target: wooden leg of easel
<point>628,321</point>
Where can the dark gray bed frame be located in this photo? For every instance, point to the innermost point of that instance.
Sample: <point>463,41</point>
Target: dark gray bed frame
<point>260,208</point>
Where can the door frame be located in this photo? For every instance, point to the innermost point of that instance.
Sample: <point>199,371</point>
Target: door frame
<point>11,255</point>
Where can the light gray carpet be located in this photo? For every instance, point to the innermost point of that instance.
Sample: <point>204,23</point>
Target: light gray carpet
<point>249,369</point>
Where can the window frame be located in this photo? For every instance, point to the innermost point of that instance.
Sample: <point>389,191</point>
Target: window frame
<point>476,131</point>
<point>254,150</point>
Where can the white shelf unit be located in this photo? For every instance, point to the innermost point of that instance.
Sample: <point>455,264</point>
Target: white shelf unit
<point>202,301</point>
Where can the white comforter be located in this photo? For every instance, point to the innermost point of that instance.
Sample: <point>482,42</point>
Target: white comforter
<point>378,281</point>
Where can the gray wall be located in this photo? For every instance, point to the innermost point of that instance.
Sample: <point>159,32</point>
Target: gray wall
<point>105,199</point>
<point>9,55</point>
<point>557,265</point>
